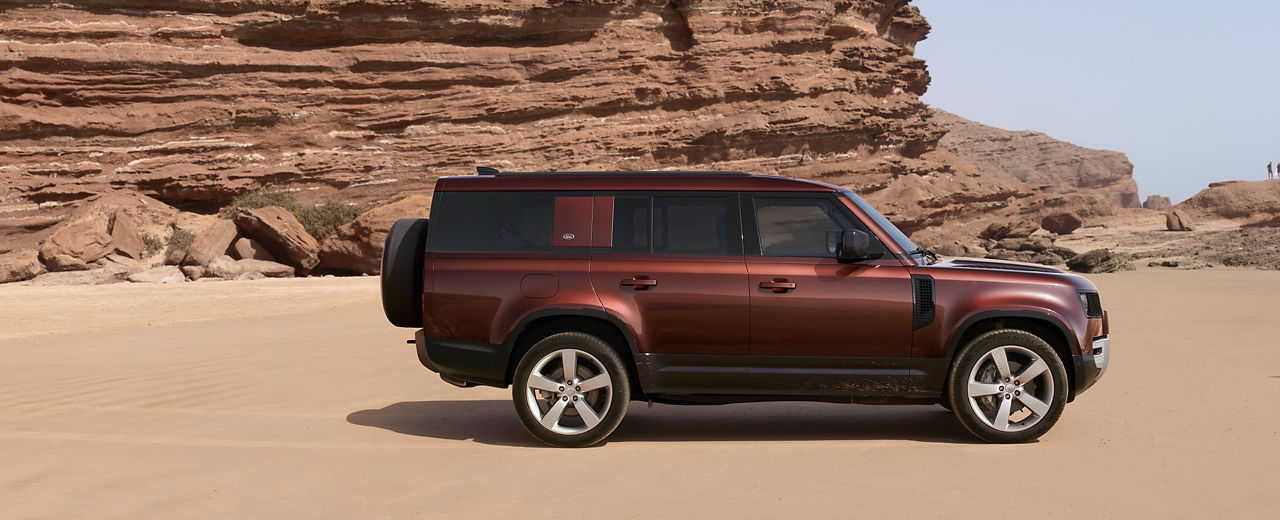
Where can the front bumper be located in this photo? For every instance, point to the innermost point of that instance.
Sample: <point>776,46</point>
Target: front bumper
<point>1090,367</point>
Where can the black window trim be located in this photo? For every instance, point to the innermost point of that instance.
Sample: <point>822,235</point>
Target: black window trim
<point>750,232</point>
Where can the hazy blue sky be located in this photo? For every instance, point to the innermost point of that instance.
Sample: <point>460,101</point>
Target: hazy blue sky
<point>1187,89</point>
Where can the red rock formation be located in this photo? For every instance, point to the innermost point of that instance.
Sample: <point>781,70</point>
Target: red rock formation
<point>1251,201</point>
<point>194,101</point>
<point>1038,159</point>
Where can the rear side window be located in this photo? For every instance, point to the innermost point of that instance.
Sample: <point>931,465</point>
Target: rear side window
<point>499,222</point>
<point>675,224</point>
<point>691,225</point>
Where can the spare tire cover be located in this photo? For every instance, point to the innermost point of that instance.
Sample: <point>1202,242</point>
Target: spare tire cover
<point>402,272</point>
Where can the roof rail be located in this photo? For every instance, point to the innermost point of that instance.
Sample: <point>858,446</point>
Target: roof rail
<point>485,170</point>
<point>658,173</point>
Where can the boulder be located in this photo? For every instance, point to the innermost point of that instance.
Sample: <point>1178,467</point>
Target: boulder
<point>1021,229</point>
<point>1177,220</point>
<point>118,262</point>
<point>283,236</point>
<point>246,248</point>
<point>1025,244</point>
<point>74,244</point>
<point>265,268</point>
<point>958,248</point>
<point>1099,261</point>
<point>174,257</point>
<point>1157,202</point>
<point>224,267</point>
<point>357,246</point>
<point>1062,223</point>
<point>162,274</point>
<point>125,238</point>
<point>250,275</point>
<point>65,263</point>
<point>20,265</point>
<point>210,243</point>
<point>193,272</point>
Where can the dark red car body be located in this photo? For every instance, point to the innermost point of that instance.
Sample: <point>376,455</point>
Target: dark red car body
<point>737,327</point>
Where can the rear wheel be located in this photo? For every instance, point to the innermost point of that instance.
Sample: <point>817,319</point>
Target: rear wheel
<point>571,390</point>
<point>1008,386</point>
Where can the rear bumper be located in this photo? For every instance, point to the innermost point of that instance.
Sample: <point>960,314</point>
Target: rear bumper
<point>474,362</point>
<point>1090,367</point>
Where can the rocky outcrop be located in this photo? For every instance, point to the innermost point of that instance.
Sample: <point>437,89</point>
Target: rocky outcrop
<point>20,265</point>
<point>357,247</point>
<point>211,243</point>
<point>74,245</point>
<point>1250,201</point>
<point>124,235</point>
<point>1062,223</point>
<point>1015,229</point>
<point>1099,261</point>
<point>282,235</point>
<point>1035,158</point>
<point>1177,220</point>
<point>371,100</point>
<point>248,248</point>
<point>1157,202</point>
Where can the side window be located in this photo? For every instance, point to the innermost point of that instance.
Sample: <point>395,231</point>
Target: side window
<point>498,222</point>
<point>802,226</point>
<point>630,225</point>
<point>691,225</point>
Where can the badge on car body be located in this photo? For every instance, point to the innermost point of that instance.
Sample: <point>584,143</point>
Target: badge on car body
<point>567,236</point>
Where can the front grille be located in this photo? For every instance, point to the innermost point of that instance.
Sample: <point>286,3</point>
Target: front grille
<point>1093,305</point>
<point>922,299</point>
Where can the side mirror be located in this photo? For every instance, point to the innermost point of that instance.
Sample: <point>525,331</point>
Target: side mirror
<point>853,245</point>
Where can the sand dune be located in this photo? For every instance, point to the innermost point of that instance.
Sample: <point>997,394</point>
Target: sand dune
<point>295,399</point>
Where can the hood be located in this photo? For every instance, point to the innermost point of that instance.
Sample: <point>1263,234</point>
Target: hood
<point>1001,265</point>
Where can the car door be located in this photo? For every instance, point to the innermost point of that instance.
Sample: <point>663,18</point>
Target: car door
<point>819,325</point>
<point>673,270</point>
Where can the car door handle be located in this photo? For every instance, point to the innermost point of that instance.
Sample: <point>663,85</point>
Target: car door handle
<point>640,284</point>
<point>778,285</point>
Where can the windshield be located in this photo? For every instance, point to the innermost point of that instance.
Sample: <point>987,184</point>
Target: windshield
<point>894,233</point>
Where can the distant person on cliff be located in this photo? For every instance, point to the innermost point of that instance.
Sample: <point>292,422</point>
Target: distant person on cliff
<point>1269,174</point>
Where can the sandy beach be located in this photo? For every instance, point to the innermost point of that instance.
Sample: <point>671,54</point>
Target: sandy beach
<point>296,399</point>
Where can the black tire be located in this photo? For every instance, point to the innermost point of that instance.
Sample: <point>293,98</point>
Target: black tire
<point>1045,390</point>
<point>402,261</point>
<point>609,405</point>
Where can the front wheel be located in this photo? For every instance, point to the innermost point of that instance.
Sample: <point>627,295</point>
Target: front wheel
<point>1008,386</point>
<point>571,390</point>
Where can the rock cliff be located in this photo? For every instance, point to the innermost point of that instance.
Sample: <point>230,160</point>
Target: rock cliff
<point>194,101</point>
<point>1035,158</point>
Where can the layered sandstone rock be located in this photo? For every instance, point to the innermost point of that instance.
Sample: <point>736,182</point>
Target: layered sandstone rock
<point>371,100</point>
<point>1036,158</point>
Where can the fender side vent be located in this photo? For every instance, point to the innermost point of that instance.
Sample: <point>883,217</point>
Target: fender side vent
<point>922,300</point>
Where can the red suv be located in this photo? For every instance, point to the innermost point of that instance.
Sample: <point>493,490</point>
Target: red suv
<point>584,291</point>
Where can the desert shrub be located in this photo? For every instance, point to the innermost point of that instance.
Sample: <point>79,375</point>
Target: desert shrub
<point>261,198</point>
<point>152,244</point>
<point>320,220</point>
<point>179,240</point>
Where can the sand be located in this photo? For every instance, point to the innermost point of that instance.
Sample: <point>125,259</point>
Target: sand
<point>295,399</point>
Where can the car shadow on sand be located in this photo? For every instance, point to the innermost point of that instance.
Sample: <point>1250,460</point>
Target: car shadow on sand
<point>494,422</point>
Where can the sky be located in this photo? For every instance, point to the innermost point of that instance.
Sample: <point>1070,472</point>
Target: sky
<point>1188,90</point>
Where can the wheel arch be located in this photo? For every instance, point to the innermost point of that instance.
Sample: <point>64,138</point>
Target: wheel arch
<point>543,323</point>
<point>1043,325</point>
